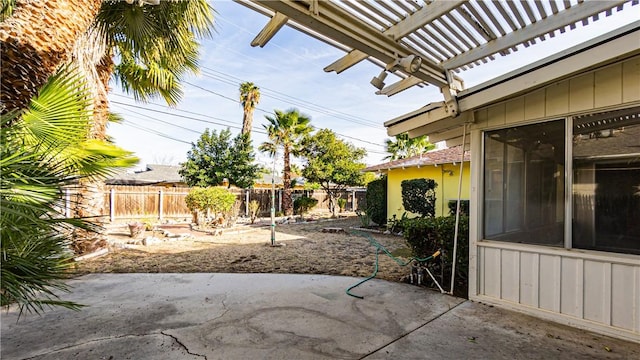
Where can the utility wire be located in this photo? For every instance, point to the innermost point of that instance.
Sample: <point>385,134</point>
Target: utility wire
<point>293,99</point>
<point>254,129</point>
<point>269,112</point>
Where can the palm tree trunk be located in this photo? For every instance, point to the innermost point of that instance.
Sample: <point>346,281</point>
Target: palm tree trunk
<point>287,203</point>
<point>90,203</point>
<point>247,121</point>
<point>35,41</point>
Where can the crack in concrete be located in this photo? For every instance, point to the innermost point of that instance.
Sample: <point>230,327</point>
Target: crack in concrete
<point>411,331</point>
<point>175,338</point>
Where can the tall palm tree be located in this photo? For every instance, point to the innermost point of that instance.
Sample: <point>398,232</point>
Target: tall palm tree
<point>249,97</point>
<point>402,146</point>
<point>286,130</point>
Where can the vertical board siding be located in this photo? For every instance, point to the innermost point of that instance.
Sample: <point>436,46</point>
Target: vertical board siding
<point>549,283</point>
<point>571,285</point>
<point>625,304</point>
<point>557,99</point>
<point>600,291</point>
<point>529,279</point>
<point>631,80</point>
<point>510,282</point>
<point>581,93</point>
<point>532,101</point>
<point>492,272</point>
<point>608,86</point>
<point>596,296</point>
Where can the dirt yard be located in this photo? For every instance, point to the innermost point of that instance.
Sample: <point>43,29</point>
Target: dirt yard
<point>305,249</point>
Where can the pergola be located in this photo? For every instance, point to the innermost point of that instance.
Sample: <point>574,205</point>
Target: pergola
<point>431,42</point>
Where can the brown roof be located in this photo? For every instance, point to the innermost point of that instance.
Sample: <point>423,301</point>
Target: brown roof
<point>436,157</point>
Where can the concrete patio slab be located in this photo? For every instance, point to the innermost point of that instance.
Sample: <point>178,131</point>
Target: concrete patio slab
<point>271,316</point>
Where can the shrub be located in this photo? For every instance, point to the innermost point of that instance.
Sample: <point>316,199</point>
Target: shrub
<point>214,201</point>
<point>419,196</point>
<point>303,204</point>
<point>254,207</point>
<point>342,203</point>
<point>464,207</point>
<point>427,235</point>
<point>376,199</point>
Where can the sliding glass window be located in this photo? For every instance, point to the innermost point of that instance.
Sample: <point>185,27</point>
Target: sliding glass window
<point>524,184</point>
<point>606,181</point>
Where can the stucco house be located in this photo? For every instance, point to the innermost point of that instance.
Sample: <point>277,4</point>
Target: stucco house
<point>443,166</point>
<point>554,145</point>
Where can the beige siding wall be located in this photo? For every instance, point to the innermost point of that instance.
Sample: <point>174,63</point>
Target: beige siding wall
<point>611,86</point>
<point>593,290</point>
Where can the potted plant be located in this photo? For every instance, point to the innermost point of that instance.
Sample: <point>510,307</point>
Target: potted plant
<point>136,228</point>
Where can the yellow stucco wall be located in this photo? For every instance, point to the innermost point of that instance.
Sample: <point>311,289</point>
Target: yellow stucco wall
<point>447,186</point>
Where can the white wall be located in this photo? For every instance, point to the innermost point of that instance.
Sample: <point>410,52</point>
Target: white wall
<point>588,289</point>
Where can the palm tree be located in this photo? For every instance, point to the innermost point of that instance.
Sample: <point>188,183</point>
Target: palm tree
<point>34,46</point>
<point>286,130</point>
<point>44,149</point>
<point>403,147</point>
<point>249,97</point>
<point>156,46</point>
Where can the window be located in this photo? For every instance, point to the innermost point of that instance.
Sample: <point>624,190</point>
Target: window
<point>524,184</point>
<point>606,181</point>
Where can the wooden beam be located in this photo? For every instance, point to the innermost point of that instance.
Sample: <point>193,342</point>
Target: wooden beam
<point>441,125</point>
<point>551,23</point>
<point>347,61</point>
<point>422,17</point>
<point>399,86</point>
<point>276,23</point>
<point>341,26</point>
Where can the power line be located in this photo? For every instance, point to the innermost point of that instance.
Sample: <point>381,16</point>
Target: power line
<point>294,100</point>
<point>268,112</point>
<point>146,129</point>
<point>220,124</point>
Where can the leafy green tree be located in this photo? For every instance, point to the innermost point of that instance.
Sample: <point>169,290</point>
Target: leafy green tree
<point>216,158</point>
<point>332,163</point>
<point>43,150</point>
<point>286,130</point>
<point>402,146</point>
<point>249,98</point>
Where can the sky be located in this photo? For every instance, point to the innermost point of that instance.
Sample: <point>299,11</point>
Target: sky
<point>289,72</point>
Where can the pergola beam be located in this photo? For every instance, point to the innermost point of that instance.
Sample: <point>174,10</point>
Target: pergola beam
<point>335,23</point>
<point>347,61</point>
<point>539,28</point>
<point>277,21</point>
<point>399,86</point>
<point>420,18</point>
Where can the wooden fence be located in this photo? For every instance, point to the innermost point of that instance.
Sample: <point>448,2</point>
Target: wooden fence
<point>123,203</point>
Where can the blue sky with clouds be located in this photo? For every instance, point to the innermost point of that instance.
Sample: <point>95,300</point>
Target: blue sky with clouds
<point>289,71</point>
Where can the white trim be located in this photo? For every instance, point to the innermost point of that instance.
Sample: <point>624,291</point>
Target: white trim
<point>559,318</point>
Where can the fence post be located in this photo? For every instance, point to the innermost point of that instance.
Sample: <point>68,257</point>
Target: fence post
<point>112,205</point>
<point>353,200</point>
<point>161,196</point>
<point>246,202</point>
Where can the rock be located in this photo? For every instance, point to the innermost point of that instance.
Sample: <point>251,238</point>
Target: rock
<point>150,240</point>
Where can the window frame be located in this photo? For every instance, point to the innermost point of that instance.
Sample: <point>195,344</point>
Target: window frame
<point>568,184</point>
